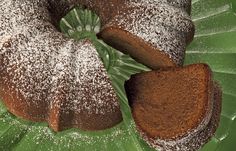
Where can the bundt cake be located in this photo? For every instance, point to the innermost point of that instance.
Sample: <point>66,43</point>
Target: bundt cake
<point>175,108</point>
<point>45,76</point>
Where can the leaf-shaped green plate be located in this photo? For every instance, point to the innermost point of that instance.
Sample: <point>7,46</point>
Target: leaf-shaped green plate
<point>214,43</point>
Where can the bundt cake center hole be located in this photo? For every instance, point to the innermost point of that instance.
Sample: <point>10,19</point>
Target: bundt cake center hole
<point>80,23</point>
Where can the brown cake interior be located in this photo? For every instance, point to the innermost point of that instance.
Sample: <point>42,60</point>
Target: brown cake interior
<point>166,104</point>
<point>136,47</point>
<point>195,140</point>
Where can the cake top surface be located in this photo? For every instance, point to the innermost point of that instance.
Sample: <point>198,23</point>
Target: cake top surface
<point>40,62</point>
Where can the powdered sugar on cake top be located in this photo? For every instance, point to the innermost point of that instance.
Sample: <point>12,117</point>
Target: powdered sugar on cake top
<point>40,64</point>
<point>164,25</point>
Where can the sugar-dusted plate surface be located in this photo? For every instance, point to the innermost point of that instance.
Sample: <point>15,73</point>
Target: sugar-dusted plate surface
<point>214,43</point>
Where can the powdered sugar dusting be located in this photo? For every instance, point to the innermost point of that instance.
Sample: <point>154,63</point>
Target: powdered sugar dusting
<point>160,23</point>
<point>43,68</point>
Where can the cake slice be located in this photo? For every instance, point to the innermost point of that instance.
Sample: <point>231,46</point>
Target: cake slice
<point>171,107</point>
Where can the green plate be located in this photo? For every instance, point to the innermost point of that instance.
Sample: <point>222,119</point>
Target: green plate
<point>214,43</point>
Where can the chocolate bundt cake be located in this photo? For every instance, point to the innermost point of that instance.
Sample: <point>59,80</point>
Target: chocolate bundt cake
<point>45,76</point>
<point>153,32</point>
<point>175,108</point>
